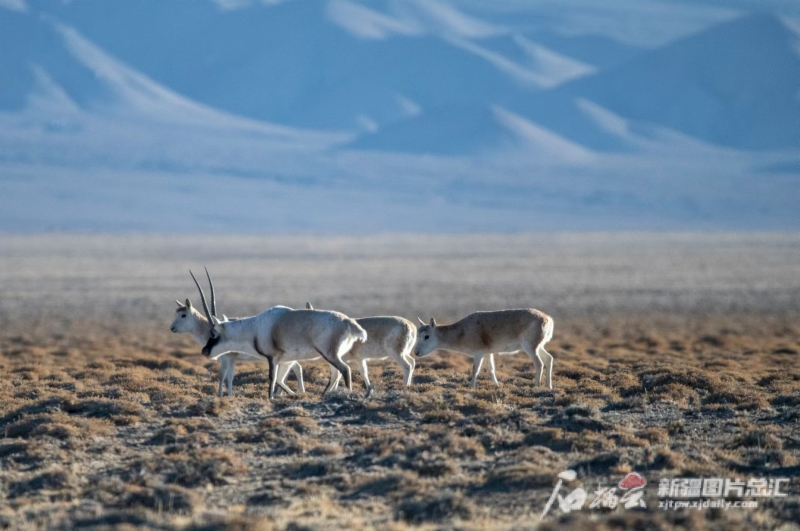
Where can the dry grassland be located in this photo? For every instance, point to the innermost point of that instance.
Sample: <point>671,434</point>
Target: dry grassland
<point>676,355</point>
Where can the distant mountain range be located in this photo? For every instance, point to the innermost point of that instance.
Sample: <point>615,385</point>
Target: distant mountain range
<point>423,115</point>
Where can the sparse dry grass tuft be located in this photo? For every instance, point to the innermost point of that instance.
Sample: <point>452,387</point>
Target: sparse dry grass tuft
<point>161,499</point>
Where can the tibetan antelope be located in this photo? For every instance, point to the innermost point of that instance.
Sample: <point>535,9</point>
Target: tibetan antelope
<point>482,334</point>
<point>189,321</point>
<point>387,337</point>
<point>281,335</point>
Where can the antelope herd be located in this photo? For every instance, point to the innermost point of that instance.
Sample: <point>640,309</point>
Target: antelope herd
<point>283,337</point>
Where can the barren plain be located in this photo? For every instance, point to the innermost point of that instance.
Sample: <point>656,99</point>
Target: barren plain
<point>676,356</point>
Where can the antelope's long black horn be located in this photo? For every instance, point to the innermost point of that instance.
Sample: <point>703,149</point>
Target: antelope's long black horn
<point>213,298</point>
<point>202,298</point>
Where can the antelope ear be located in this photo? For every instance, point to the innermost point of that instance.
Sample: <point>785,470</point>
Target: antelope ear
<point>308,306</point>
<point>180,305</point>
<point>433,322</point>
<point>421,322</point>
<point>188,303</point>
<point>215,320</point>
<point>224,318</point>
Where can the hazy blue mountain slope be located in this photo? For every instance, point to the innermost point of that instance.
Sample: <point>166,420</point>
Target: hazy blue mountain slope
<point>735,85</point>
<point>287,63</point>
<point>31,44</point>
<point>351,115</point>
<point>596,50</point>
<point>536,126</point>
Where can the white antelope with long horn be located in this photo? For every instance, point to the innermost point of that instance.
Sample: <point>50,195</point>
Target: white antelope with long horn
<point>282,335</point>
<point>189,321</point>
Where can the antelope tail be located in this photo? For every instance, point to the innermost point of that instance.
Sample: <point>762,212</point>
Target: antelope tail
<point>359,333</point>
<point>547,328</point>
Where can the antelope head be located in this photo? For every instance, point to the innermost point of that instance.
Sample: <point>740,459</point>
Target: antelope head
<point>214,334</point>
<point>427,341</point>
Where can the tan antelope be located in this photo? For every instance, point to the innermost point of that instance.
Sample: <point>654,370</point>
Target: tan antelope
<point>282,335</point>
<point>387,337</point>
<point>482,334</point>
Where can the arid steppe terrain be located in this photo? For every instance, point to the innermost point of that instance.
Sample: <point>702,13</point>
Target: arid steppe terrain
<point>676,355</point>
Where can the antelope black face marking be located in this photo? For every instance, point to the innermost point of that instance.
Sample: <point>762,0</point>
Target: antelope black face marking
<point>212,341</point>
